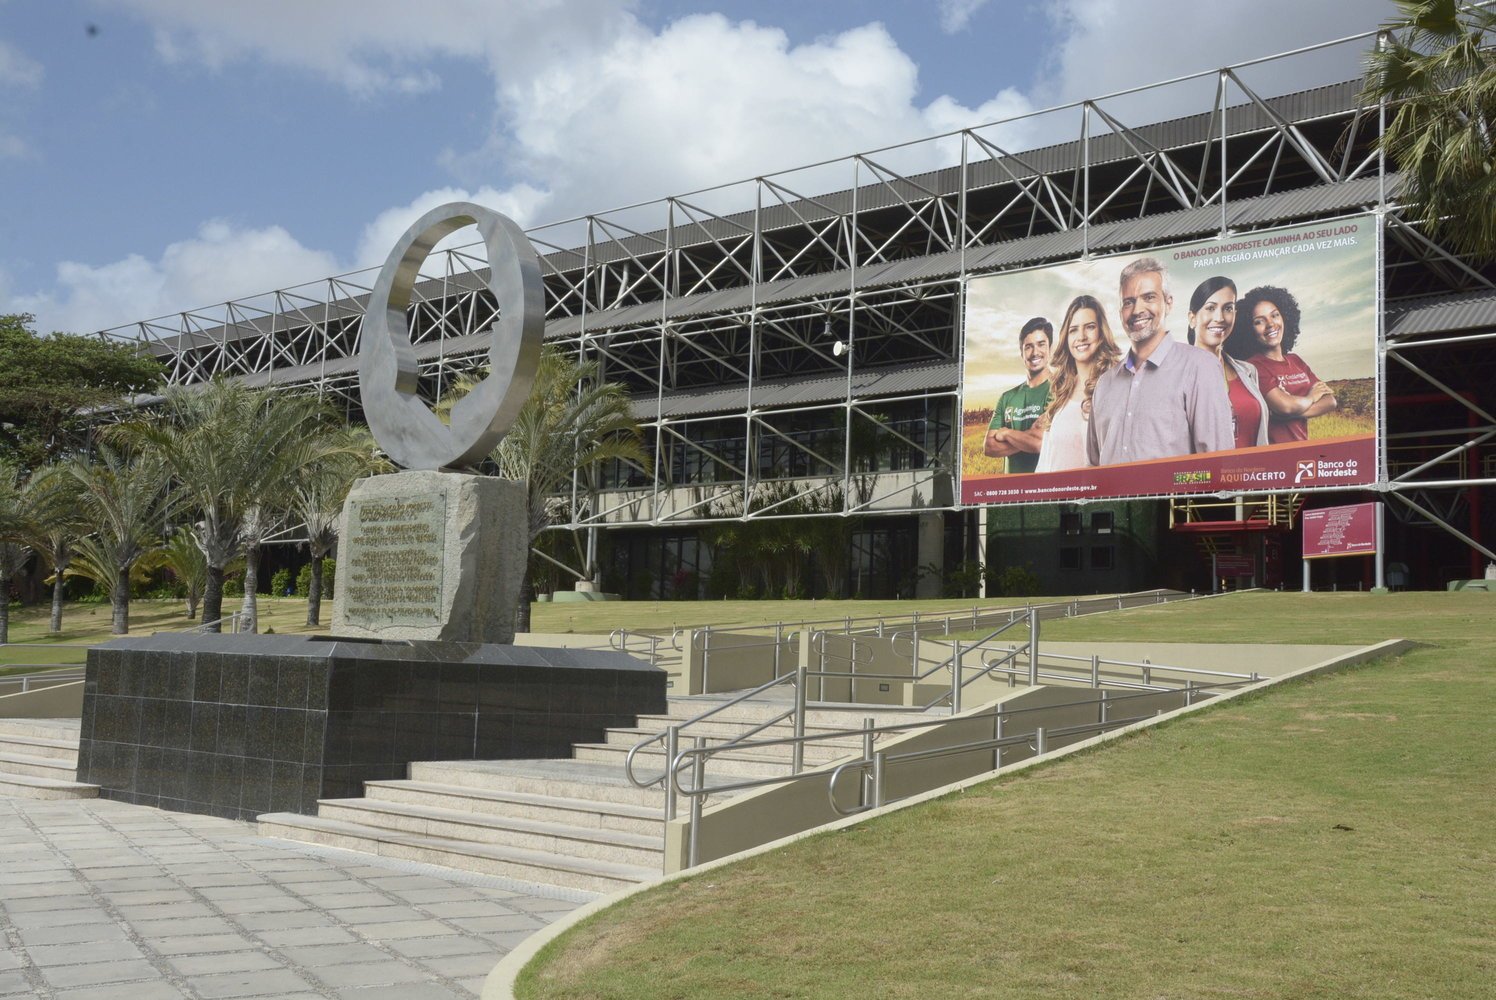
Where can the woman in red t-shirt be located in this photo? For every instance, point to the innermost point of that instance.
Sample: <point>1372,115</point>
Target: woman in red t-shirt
<point>1292,391</point>
<point>1212,317</point>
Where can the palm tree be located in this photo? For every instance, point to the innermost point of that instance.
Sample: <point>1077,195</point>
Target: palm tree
<point>235,453</point>
<point>1437,71</point>
<point>15,522</point>
<point>572,422</point>
<point>185,560</point>
<point>317,502</point>
<point>57,525</point>
<point>123,495</point>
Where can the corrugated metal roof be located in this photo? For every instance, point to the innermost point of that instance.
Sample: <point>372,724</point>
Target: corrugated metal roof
<point>867,384</point>
<point>1443,314</point>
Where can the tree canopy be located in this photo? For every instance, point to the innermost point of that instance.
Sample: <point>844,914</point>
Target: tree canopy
<point>47,384</point>
<point>1436,68</point>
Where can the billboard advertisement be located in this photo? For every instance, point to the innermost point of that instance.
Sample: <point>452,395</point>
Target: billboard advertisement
<point>1229,365</point>
<point>1340,531</point>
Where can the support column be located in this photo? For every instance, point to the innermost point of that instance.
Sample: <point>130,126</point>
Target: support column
<point>930,553</point>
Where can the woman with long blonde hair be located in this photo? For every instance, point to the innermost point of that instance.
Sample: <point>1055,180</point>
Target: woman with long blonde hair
<point>1084,350</point>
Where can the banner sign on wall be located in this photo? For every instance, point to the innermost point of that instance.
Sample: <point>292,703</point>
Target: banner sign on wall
<point>1223,366</point>
<point>1340,531</point>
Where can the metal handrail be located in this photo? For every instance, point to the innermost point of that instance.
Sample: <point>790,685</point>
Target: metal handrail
<point>236,619</point>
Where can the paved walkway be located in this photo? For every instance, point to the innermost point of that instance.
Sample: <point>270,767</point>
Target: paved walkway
<point>102,899</point>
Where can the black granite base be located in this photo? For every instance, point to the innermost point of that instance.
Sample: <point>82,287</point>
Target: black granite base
<point>236,726</point>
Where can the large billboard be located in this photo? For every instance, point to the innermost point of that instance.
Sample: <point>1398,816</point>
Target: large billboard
<point>1229,365</point>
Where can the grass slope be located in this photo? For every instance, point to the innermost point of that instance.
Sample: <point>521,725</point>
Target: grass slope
<point>1332,838</point>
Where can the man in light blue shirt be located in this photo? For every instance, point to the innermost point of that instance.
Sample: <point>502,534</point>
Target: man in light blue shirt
<point>1166,398</point>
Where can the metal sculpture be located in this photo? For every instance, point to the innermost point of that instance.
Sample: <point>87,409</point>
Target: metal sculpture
<point>388,371</point>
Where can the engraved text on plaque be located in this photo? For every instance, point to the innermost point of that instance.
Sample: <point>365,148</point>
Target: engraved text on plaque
<point>394,551</point>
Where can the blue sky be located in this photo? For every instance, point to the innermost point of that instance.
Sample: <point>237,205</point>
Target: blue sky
<point>162,155</point>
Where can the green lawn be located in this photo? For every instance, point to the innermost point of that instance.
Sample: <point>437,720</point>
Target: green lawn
<point>1332,838</point>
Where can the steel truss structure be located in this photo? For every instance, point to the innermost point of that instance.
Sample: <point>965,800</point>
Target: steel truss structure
<point>807,326</point>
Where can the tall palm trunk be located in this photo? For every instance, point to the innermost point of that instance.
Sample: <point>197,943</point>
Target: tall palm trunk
<point>120,599</point>
<point>314,593</point>
<point>192,599</point>
<point>249,611</point>
<point>213,600</point>
<point>4,612</point>
<point>526,596</point>
<point>58,592</point>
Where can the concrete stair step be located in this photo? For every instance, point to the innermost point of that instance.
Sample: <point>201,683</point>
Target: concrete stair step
<point>531,835</point>
<point>38,767</point>
<point>488,859</point>
<point>584,813</point>
<point>50,729</point>
<point>22,786</point>
<point>592,781</point>
<point>40,746</point>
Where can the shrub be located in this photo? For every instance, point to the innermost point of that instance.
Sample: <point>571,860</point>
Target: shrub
<point>280,582</point>
<point>233,586</point>
<point>304,578</point>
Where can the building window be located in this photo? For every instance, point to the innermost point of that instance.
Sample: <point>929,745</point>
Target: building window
<point>1102,557</point>
<point>1070,523</point>
<point>1070,557</point>
<point>1102,522</point>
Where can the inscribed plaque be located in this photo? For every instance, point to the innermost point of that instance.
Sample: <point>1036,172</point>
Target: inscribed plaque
<point>394,551</point>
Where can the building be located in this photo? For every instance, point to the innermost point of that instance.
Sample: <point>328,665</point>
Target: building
<point>793,345</point>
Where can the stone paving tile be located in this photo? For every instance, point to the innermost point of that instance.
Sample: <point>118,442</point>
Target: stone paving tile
<point>275,983</point>
<point>196,944</point>
<point>72,935</point>
<point>135,991</point>
<point>154,929</point>
<point>96,973</point>
<point>408,991</point>
<point>59,918</point>
<point>317,956</point>
<point>306,936</point>
<point>14,984</point>
<point>235,961</point>
<point>399,929</point>
<point>371,974</point>
<point>71,954</point>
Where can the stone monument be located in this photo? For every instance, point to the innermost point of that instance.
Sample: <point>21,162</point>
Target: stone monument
<point>426,553</point>
<point>420,665</point>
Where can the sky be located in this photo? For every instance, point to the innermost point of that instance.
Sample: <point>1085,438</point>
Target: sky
<point>166,155</point>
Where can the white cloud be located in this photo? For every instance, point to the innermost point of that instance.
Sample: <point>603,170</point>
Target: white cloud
<point>372,46</point>
<point>955,15</point>
<point>221,262</point>
<point>1111,45</point>
<point>18,69</point>
<point>379,236</point>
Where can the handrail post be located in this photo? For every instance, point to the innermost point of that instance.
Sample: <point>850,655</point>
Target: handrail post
<point>973,617</point>
<point>698,784</point>
<point>1095,670</point>
<point>880,794</point>
<point>1147,671</point>
<point>672,747</point>
<point>1104,708</point>
<point>798,757</point>
<point>778,645</point>
<point>1041,742</point>
<point>1189,693</point>
<point>1033,653</point>
<point>867,755</point>
<point>956,678</point>
<point>997,734</point>
<point>706,659</point>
